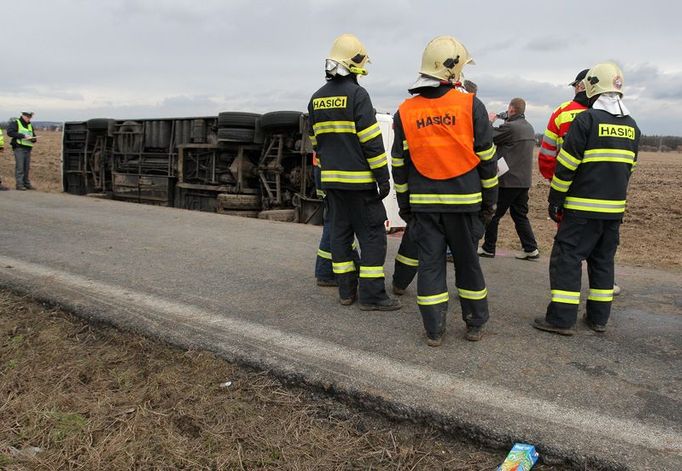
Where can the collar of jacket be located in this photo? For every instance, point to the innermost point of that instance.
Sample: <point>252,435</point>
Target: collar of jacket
<point>433,92</point>
<point>581,98</point>
<point>516,116</point>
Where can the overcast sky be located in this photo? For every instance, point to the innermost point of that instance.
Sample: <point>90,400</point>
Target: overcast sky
<point>78,59</point>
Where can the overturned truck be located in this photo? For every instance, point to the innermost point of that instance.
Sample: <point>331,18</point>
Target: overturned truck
<point>238,163</point>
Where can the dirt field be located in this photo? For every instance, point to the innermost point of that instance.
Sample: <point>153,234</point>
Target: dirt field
<point>95,398</point>
<point>653,205</point>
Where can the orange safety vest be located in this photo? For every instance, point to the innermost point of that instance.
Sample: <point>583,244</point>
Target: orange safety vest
<point>440,134</point>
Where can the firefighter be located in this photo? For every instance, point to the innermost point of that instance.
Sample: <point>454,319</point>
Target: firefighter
<point>445,174</point>
<point>557,128</point>
<point>588,197</point>
<point>348,142</point>
<point>558,125</point>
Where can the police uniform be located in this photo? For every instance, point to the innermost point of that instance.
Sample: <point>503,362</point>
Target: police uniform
<point>22,135</point>
<point>445,171</point>
<point>590,183</point>
<point>348,142</point>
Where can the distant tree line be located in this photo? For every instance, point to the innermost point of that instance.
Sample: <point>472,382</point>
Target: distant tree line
<point>653,143</point>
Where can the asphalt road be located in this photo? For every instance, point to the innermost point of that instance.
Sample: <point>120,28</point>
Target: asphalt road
<point>245,289</point>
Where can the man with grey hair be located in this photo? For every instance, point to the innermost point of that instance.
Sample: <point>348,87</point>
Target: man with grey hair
<point>515,141</point>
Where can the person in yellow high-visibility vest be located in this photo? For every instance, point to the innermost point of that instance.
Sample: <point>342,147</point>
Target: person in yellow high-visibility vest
<point>23,138</point>
<point>2,148</point>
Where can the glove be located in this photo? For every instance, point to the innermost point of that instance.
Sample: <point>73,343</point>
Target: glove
<point>384,189</point>
<point>486,214</point>
<point>556,212</point>
<point>405,214</point>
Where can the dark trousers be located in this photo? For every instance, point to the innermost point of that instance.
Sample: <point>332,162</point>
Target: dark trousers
<point>323,262</point>
<point>578,239</point>
<point>22,158</point>
<point>516,201</point>
<point>461,232</point>
<point>361,214</point>
<point>407,259</point>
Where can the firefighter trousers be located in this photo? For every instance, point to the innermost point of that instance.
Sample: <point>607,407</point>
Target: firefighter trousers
<point>361,214</point>
<point>323,262</point>
<point>578,239</point>
<point>461,232</point>
<point>407,259</point>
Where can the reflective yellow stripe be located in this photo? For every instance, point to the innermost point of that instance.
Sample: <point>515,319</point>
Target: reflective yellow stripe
<point>473,295</point>
<point>486,154</point>
<point>369,133</point>
<point>401,188</point>
<point>371,272</point>
<point>343,267</point>
<point>604,295</point>
<point>472,198</point>
<point>566,117</point>
<point>323,254</point>
<point>560,185</point>
<point>594,205</point>
<point>313,140</point>
<point>609,155</point>
<point>340,176</point>
<point>634,164</point>
<point>396,162</point>
<point>565,297</point>
<point>567,160</point>
<point>490,182</point>
<point>433,299</point>
<point>334,126</point>
<point>410,262</point>
<point>550,137</point>
<point>405,147</point>
<point>378,161</point>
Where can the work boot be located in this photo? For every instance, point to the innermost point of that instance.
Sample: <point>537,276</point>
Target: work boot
<point>398,291</point>
<point>28,186</point>
<point>327,282</point>
<point>599,328</point>
<point>484,253</point>
<point>541,323</point>
<point>21,188</point>
<point>388,304</point>
<point>532,255</point>
<point>348,301</point>
<point>434,340</point>
<point>474,333</point>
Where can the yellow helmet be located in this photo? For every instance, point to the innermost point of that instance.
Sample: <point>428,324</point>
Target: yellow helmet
<point>348,51</point>
<point>444,58</point>
<point>604,78</point>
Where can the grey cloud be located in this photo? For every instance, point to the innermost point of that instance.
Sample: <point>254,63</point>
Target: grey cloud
<point>547,44</point>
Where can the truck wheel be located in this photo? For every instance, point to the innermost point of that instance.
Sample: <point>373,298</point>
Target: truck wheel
<point>229,201</point>
<point>99,124</point>
<point>236,119</point>
<point>235,135</point>
<point>280,119</point>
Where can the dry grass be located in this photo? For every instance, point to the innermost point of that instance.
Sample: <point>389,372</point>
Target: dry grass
<point>102,399</point>
<point>653,218</point>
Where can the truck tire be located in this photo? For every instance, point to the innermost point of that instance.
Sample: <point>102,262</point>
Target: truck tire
<point>235,135</point>
<point>227,201</point>
<point>280,119</point>
<point>244,214</point>
<point>236,119</point>
<point>99,124</point>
